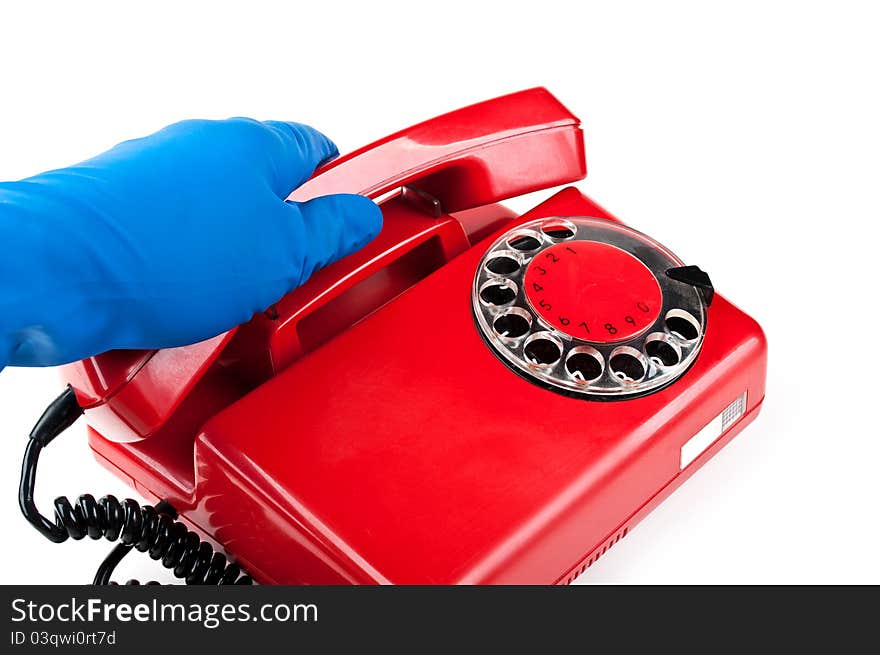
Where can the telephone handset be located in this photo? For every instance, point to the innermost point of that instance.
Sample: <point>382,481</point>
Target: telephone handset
<point>470,158</point>
<point>475,397</point>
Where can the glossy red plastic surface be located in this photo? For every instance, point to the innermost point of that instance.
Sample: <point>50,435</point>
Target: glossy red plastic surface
<point>473,156</point>
<point>380,458</point>
<point>469,158</point>
<point>390,444</point>
<point>410,246</point>
<point>428,461</point>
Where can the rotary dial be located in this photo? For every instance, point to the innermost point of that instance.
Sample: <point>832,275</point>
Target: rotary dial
<point>584,306</point>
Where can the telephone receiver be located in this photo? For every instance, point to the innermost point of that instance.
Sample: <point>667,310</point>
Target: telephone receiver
<point>437,172</point>
<point>476,396</point>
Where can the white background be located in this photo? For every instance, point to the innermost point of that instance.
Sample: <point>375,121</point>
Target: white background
<point>746,139</point>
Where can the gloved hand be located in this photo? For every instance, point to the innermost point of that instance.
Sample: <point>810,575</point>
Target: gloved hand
<point>166,240</point>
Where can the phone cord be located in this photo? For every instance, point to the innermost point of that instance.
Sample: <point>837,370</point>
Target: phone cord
<point>148,529</point>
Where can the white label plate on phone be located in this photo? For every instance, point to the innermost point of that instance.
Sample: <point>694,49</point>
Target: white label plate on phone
<point>698,443</point>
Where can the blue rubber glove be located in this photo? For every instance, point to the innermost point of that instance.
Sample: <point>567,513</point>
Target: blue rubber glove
<point>166,240</point>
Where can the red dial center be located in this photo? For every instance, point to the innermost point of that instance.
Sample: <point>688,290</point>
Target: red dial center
<point>593,291</point>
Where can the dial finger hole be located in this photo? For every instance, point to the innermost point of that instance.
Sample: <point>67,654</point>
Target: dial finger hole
<point>504,262</point>
<point>525,241</point>
<point>682,325</point>
<point>542,349</point>
<point>628,365</point>
<point>584,364</point>
<point>559,229</point>
<point>512,324</point>
<point>662,350</point>
<point>498,292</point>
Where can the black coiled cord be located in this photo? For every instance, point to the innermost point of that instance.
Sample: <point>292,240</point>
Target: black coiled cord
<point>152,530</point>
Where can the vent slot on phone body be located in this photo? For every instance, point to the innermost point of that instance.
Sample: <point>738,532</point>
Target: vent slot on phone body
<point>594,557</point>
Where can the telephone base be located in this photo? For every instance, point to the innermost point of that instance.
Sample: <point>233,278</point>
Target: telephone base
<point>433,474</point>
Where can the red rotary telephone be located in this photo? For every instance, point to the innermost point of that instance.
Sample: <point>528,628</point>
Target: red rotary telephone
<point>475,397</point>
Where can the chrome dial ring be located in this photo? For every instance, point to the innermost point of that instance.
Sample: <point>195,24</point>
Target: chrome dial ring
<point>584,306</point>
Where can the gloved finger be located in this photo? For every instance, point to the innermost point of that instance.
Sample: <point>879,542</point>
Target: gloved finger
<point>334,226</point>
<point>300,150</point>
